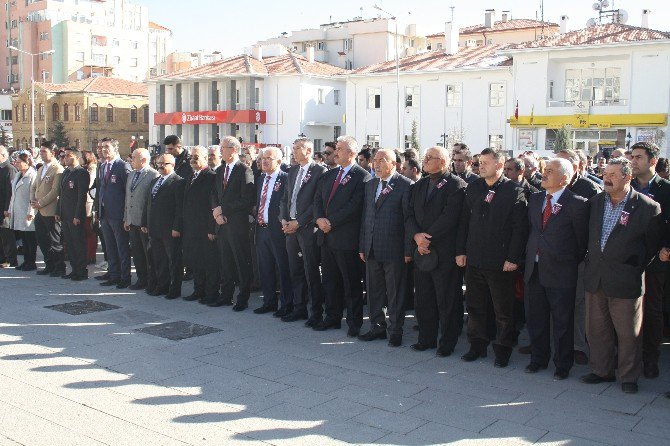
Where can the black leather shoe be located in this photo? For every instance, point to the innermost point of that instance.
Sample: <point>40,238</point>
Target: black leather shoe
<point>629,387</point>
<point>103,277</point>
<point>312,321</point>
<point>592,378</point>
<point>534,367</point>
<point>473,355</point>
<point>265,309</point>
<point>240,307</point>
<point>524,350</point>
<point>173,295</point>
<point>157,292</point>
<point>67,276</point>
<point>109,283</point>
<point>57,273</point>
<point>443,351</point>
<point>500,363</point>
<point>137,286</point>
<point>79,277</point>
<point>215,303</point>
<point>326,324</point>
<point>123,284</point>
<point>353,332</point>
<point>395,340</point>
<point>419,347</point>
<point>372,335</point>
<point>44,272</point>
<point>294,316</point>
<point>192,297</point>
<point>651,370</point>
<point>282,312</point>
<point>561,374</point>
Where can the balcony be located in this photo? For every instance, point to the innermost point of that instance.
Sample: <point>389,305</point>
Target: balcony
<point>599,103</point>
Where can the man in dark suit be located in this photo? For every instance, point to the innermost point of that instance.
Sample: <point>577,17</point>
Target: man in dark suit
<point>624,235</point>
<point>435,207</point>
<point>462,160</point>
<point>162,220</point>
<point>297,216</point>
<point>112,202</point>
<point>385,247</point>
<point>558,221</point>
<point>7,239</point>
<point>270,238</point>
<point>491,242</point>
<point>337,209</point>
<point>645,157</point>
<point>232,198</point>
<point>72,213</point>
<point>198,238</point>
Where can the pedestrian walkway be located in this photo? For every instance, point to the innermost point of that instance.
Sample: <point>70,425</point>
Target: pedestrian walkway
<point>81,364</point>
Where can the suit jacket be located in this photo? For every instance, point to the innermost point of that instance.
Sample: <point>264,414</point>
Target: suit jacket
<point>437,214</point>
<point>468,176</point>
<point>528,189</point>
<point>344,210</point>
<point>182,167</point>
<point>630,247</point>
<point>305,198</point>
<point>385,222</point>
<point>136,199</point>
<point>659,191</point>
<point>7,174</point>
<point>491,233</point>
<point>197,218</point>
<point>163,214</point>
<point>73,192</point>
<point>561,244</point>
<point>46,190</point>
<point>272,202</point>
<point>536,180</point>
<point>111,192</point>
<point>584,187</point>
<point>19,206</point>
<point>237,199</point>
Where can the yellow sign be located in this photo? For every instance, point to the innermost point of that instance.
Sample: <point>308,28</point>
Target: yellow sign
<point>586,121</point>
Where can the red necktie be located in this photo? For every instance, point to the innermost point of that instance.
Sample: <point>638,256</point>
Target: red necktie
<point>261,206</point>
<point>336,184</point>
<point>546,214</point>
<point>225,177</point>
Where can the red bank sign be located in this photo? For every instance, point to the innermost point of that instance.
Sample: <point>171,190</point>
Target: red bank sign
<point>211,117</point>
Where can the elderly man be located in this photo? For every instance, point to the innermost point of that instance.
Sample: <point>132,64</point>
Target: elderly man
<point>214,158</point>
<point>232,198</point>
<point>492,237</point>
<point>462,160</point>
<point>532,172</point>
<point>434,210</point>
<point>337,209</point>
<point>385,247</point>
<point>7,239</point>
<point>556,245</point>
<point>297,217</point>
<point>624,235</point>
<point>137,194</point>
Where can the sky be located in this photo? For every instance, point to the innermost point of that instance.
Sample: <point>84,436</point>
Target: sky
<point>230,26</point>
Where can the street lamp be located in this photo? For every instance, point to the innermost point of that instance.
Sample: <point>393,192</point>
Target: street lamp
<point>397,68</point>
<point>32,88</point>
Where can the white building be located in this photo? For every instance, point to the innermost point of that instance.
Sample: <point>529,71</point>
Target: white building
<point>160,46</point>
<point>6,113</point>
<point>355,43</point>
<point>268,97</point>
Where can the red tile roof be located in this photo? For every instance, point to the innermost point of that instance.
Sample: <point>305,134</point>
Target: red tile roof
<point>500,26</point>
<point>105,85</point>
<point>154,25</point>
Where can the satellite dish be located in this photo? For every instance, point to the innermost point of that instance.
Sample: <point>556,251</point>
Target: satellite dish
<point>590,23</point>
<point>604,3</point>
<point>623,16</point>
<point>596,6</point>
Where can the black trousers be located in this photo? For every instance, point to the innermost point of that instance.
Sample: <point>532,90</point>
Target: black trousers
<point>342,285</point>
<point>49,238</point>
<point>439,305</point>
<point>485,287</point>
<point>303,260</point>
<point>652,316</point>
<point>386,282</point>
<point>29,247</point>
<point>206,277</point>
<point>273,261</point>
<point>236,267</point>
<point>75,242</point>
<point>167,261</point>
<point>8,245</point>
<point>139,248</point>
<point>547,308</point>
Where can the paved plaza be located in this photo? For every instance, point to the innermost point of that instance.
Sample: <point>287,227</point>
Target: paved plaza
<point>130,369</point>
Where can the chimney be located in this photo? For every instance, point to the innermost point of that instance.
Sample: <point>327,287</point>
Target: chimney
<point>310,54</point>
<point>564,24</point>
<point>505,16</point>
<point>257,52</point>
<point>489,18</point>
<point>450,38</point>
<point>645,18</point>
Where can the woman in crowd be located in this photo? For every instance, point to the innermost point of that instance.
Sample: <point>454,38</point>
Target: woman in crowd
<point>21,214</point>
<point>90,163</point>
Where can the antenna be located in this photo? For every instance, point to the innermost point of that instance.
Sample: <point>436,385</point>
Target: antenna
<point>452,13</point>
<point>542,18</point>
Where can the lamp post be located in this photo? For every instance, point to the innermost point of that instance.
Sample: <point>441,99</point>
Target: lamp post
<point>444,139</point>
<point>397,70</point>
<point>32,88</point>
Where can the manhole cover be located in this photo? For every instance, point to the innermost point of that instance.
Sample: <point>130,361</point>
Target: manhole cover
<point>82,307</point>
<point>176,331</point>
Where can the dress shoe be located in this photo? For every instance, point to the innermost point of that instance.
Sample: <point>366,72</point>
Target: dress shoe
<point>217,303</point>
<point>265,309</point>
<point>444,351</point>
<point>395,340</point>
<point>326,324</point>
<point>44,272</point>
<point>629,387</point>
<point>57,273</point>
<point>157,292</point>
<point>67,276</point>
<point>137,286</point>
<point>561,374</point>
<point>188,276</point>
<point>592,378</point>
<point>419,347</point>
<point>294,316</point>
<point>524,350</point>
<point>473,355</point>
<point>312,321</point>
<point>651,370</point>
<point>79,277</point>
<point>580,357</point>
<point>103,277</point>
<point>282,312</point>
<point>534,367</point>
<point>173,295</point>
<point>372,335</point>
<point>240,306</point>
<point>123,284</point>
<point>110,282</point>
<point>501,363</point>
<point>192,297</point>
<point>353,332</point>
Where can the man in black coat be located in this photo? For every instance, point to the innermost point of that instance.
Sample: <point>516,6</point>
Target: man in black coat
<point>337,209</point>
<point>532,171</point>
<point>232,198</point>
<point>297,216</point>
<point>462,160</point>
<point>7,239</point>
<point>71,212</point>
<point>491,243</point>
<point>162,220</point>
<point>385,247</point>
<point>558,221</point>
<point>182,166</point>
<point>198,230</point>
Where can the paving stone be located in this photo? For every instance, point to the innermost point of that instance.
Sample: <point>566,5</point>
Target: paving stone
<point>82,307</point>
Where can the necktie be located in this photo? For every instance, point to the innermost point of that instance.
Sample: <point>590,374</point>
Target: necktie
<point>108,172</point>
<point>195,176</point>
<point>261,206</point>
<point>294,198</point>
<point>135,179</point>
<point>158,185</point>
<point>336,184</point>
<point>225,177</point>
<point>381,194</point>
<point>546,214</point>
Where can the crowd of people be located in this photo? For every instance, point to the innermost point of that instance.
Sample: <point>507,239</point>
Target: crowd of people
<point>578,255</point>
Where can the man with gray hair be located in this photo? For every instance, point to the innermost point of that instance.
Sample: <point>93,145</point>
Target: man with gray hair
<point>556,245</point>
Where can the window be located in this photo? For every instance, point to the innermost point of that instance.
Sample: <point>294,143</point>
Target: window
<point>145,113</point>
<point>43,112</point>
<point>321,46</point>
<point>66,112</point>
<point>374,98</point>
<point>133,61</point>
<point>337,132</point>
<point>110,113</point>
<point>45,75</point>
<point>496,141</point>
<point>116,60</point>
<point>44,56</point>
<point>134,44</point>
<point>551,89</point>
<point>15,60</point>
<point>257,98</point>
<point>602,85</point>
<point>454,95</point>
<point>44,36</point>
<point>237,96</point>
<point>408,142</point>
<point>133,114</point>
<point>55,112</point>
<point>99,59</point>
<point>318,144</point>
<point>93,113</point>
<point>321,96</point>
<point>411,96</point>
<point>16,113</point>
<point>497,94</point>
<point>115,42</point>
<point>79,57</point>
<point>336,97</point>
<point>348,44</point>
<point>348,65</point>
<point>24,112</point>
<point>77,112</point>
<point>6,115</point>
<point>373,141</point>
